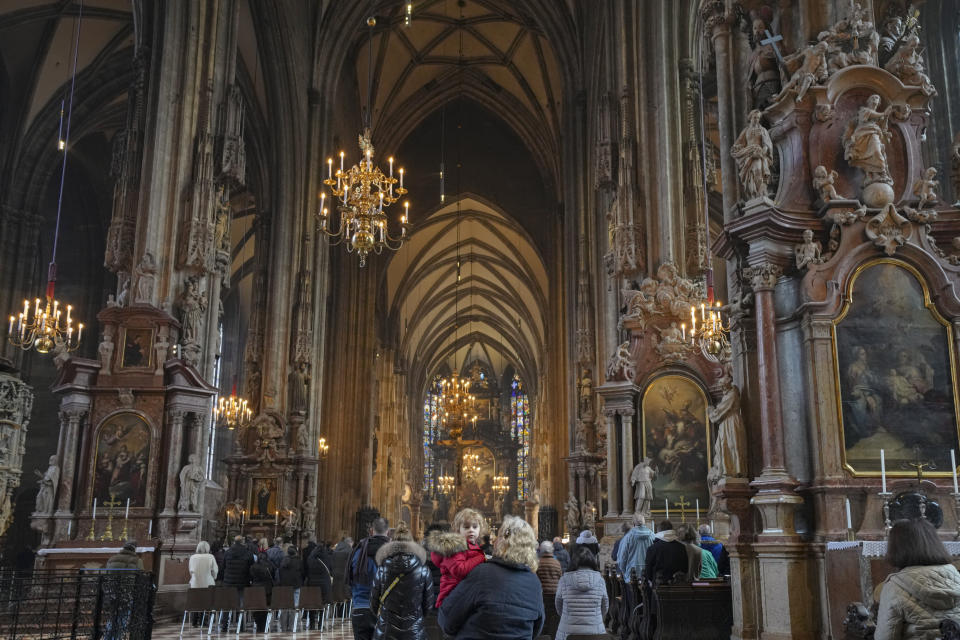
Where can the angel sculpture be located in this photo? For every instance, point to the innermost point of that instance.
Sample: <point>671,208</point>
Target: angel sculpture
<point>925,188</point>
<point>823,182</point>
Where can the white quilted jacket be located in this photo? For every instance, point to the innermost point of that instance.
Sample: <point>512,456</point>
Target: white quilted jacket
<point>915,600</point>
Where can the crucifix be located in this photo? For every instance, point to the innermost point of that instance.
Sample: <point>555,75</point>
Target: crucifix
<point>683,504</point>
<point>111,504</point>
<point>772,40</point>
<point>919,466</point>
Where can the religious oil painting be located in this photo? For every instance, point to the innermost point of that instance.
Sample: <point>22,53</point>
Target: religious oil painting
<point>137,348</point>
<point>263,499</point>
<point>676,439</point>
<point>122,459</point>
<point>476,479</point>
<point>895,372</point>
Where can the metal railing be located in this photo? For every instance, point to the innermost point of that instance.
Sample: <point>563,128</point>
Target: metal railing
<point>100,604</point>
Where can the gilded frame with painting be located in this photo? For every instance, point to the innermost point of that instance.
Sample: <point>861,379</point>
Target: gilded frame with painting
<point>896,380</point>
<point>137,350</point>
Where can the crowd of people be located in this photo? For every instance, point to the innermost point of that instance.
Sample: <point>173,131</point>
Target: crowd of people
<point>685,553</point>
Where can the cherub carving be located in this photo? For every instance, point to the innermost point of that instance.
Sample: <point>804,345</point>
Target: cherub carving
<point>823,182</point>
<point>809,251</point>
<point>925,188</point>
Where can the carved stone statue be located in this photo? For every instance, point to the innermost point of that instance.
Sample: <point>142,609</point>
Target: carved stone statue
<point>309,512</point>
<point>864,141</point>
<point>730,449</point>
<point>586,394</point>
<point>753,152</point>
<point>299,387</point>
<point>764,68</point>
<point>146,277</point>
<point>191,484</point>
<point>808,252</point>
<point>850,41</point>
<point>49,483</point>
<point>823,182</point>
<point>907,64</point>
<point>589,516</point>
<point>105,350</point>
<point>192,304</point>
<point>925,188</point>
<point>580,436</point>
<point>642,480</point>
<point>123,297</point>
<point>221,233</point>
<point>809,67</point>
<point>620,364</point>
<point>289,523</point>
<point>671,340</point>
<point>572,505</point>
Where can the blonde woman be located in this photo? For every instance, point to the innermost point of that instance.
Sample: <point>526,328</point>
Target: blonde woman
<point>502,597</point>
<point>203,572</point>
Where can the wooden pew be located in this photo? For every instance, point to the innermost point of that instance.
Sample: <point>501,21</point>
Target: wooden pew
<point>701,609</point>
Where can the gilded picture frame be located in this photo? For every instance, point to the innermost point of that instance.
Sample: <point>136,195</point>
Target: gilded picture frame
<point>137,348</point>
<point>895,373</point>
<point>676,438</point>
<point>122,457</point>
<point>264,498</point>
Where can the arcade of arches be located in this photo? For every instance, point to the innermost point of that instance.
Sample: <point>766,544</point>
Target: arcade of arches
<point>580,173</point>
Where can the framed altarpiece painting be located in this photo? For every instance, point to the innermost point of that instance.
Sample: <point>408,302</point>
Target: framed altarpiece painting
<point>122,457</point>
<point>896,373</point>
<point>676,438</point>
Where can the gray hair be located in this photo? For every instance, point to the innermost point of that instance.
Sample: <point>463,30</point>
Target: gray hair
<point>639,520</point>
<point>705,530</point>
<point>203,547</point>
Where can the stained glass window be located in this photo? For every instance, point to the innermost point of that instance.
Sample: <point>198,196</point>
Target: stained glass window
<point>431,431</point>
<point>520,428</point>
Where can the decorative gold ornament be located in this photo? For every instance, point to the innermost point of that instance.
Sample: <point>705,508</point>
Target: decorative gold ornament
<point>47,330</point>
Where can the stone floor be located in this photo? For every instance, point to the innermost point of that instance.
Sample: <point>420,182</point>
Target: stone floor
<point>340,630</point>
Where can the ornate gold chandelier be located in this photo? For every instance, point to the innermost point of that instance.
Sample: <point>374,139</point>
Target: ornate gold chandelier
<point>458,403</point>
<point>446,483</point>
<point>323,448</point>
<point>232,412</point>
<point>471,465</point>
<point>708,333</point>
<point>501,484</point>
<point>361,193</point>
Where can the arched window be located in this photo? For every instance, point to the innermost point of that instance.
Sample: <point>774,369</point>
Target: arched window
<point>520,428</point>
<point>431,431</point>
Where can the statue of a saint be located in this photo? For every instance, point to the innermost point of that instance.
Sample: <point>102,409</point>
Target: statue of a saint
<point>105,349</point>
<point>48,486</point>
<point>299,387</point>
<point>191,483</point>
<point>730,449</point>
<point>146,275</point>
<point>753,152</point>
<point>809,67</point>
<point>572,505</point>
<point>309,512</point>
<point>642,481</point>
<point>221,233</point>
<point>907,64</point>
<point>586,394</point>
<point>864,139</point>
<point>764,68</point>
<point>589,515</point>
<point>192,305</point>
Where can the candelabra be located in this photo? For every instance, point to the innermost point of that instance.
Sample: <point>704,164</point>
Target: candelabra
<point>471,465</point>
<point>232,412</point>
<point>323,448</point>
<point>501,484</point>
<point>362,192</point>
<point>446,484</point>
<point>47,329</point>
<point>710,334</point>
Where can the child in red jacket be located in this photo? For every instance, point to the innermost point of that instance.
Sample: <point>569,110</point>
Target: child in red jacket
<point>456,552</point>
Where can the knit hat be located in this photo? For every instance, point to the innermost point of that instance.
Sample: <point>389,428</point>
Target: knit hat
<point>546,548</point>
<point>130,546</point>
<point>586,537</point>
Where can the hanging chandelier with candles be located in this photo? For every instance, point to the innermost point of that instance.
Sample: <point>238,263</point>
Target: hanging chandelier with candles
<point>49,329</point>
<point>446,483</point>
<point>501,484</point>
<point>707,330</point>
<point>232,412</point>
<point>457,403</point>
<point>362,192</point>
<point>323,448</point>
<point>471,465</point>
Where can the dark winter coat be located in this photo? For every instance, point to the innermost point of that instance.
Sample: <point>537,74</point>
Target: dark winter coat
<point>126,559</point>
<point>402,609</point>
<point>261,575</point>
<point>291,572</point>
<point>562,556</point>
<point>236,565</point>
<point>319,573</point>
<point>581,601</point>
<point>498,600</point>
<point>665,558</point>
<point>549,573</point>
<point>341,560</point>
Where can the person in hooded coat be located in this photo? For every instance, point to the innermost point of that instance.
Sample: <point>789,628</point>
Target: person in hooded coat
<point>402,590</point>
<point>924,591</point>
<point>634,545</point>
<point>581,598</point>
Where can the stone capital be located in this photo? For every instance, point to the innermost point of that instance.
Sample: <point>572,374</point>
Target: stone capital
<point>715,18</point>
<point>763,276</point>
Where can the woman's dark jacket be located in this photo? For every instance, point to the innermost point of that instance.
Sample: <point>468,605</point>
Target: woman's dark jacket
<point>319,571</point>
<point>261,575</point>
<point>403,608</point>
<point>499,600</point>
<point>236,565</point>
<point>291,572</point>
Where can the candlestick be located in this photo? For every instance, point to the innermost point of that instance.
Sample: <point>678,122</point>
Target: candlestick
<point>126,514</point>
<point>150,529</point>
<point>883,471</point>
<point>69,527</point>
<point>953,468</point>
<point>849,520</point>
<point>94,508</point>
<point>666,504</point>
<point>698,510</point>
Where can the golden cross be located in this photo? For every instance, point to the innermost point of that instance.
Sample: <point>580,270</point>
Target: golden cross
<point>919,466</point>
<point>683,504</point>
<point>113,502</point>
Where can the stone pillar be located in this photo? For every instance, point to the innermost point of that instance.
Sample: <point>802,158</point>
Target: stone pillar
<point>628,461</point>
<point>718,26</point>
<point>613,488</point>
<point>175,418</point>
<point>70,419</point>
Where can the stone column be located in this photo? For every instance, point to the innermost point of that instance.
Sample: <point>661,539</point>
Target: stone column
<point>628,461</point>
<point>613,489</point>
<point>70,420</point>
<point>718,26</point>
<point>175,418</point>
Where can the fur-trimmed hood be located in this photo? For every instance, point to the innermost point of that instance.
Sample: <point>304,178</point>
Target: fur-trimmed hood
<point>446,543</point>
<point>393,548</point>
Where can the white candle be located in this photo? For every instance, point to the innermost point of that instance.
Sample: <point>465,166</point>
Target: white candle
<point>953,467</point>
<point>401,177</point>
<point>698,509</point>
<point>126,514</point>
<point>666,504</point>
<point>94,508</point>
<point>849,520</point>
<point>329,168</point>
<point>883,472</point>
<point>150,529</point>
<point>69,527</point>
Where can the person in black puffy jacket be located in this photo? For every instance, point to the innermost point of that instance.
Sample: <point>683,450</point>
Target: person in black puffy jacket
<point>236,564</point>
<point>291,575</point>
<point>402,589</point>
<point>319,574</point>
<point>261,575</point>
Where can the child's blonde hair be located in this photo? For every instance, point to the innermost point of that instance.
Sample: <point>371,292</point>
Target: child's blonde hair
<point>469,516</point>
